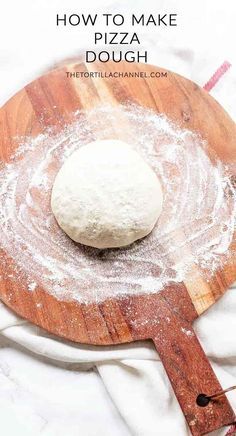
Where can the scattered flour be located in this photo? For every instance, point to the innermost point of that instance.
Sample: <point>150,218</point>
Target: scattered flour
<point>195,228</point>
<point>187,332</point>
<point>32,286</point>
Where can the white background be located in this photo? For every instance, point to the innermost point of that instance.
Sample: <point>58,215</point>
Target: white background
<point>31,42</point>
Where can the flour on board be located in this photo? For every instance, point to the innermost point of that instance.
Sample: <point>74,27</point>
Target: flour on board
<point>195,228</point>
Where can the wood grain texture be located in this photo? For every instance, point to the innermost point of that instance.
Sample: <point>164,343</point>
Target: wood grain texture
<point>51,100</point>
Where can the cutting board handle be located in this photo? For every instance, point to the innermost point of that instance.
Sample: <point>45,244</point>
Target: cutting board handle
<point>191,374</point>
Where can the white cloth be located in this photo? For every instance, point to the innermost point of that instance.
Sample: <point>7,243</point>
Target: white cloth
<point>53,387</point>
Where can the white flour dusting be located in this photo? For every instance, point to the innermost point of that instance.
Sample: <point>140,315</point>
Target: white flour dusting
<point>195,228</point>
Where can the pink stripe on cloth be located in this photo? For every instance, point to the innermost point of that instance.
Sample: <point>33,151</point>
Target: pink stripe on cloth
<point>217,76</point>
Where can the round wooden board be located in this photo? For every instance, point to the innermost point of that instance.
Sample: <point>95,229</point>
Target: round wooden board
<point>52,100</point>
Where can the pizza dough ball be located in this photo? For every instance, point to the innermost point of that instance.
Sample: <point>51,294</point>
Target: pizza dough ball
<point>105,195</point>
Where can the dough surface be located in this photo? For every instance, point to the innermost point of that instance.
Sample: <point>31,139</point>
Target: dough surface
<point>105,195</point>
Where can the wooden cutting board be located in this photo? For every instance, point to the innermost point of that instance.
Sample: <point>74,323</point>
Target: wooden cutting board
<point>51,100</point>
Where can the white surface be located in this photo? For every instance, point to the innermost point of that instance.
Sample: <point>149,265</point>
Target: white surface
<point>49,386</point>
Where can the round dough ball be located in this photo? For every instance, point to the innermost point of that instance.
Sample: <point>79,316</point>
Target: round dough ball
<point>105,195</point>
